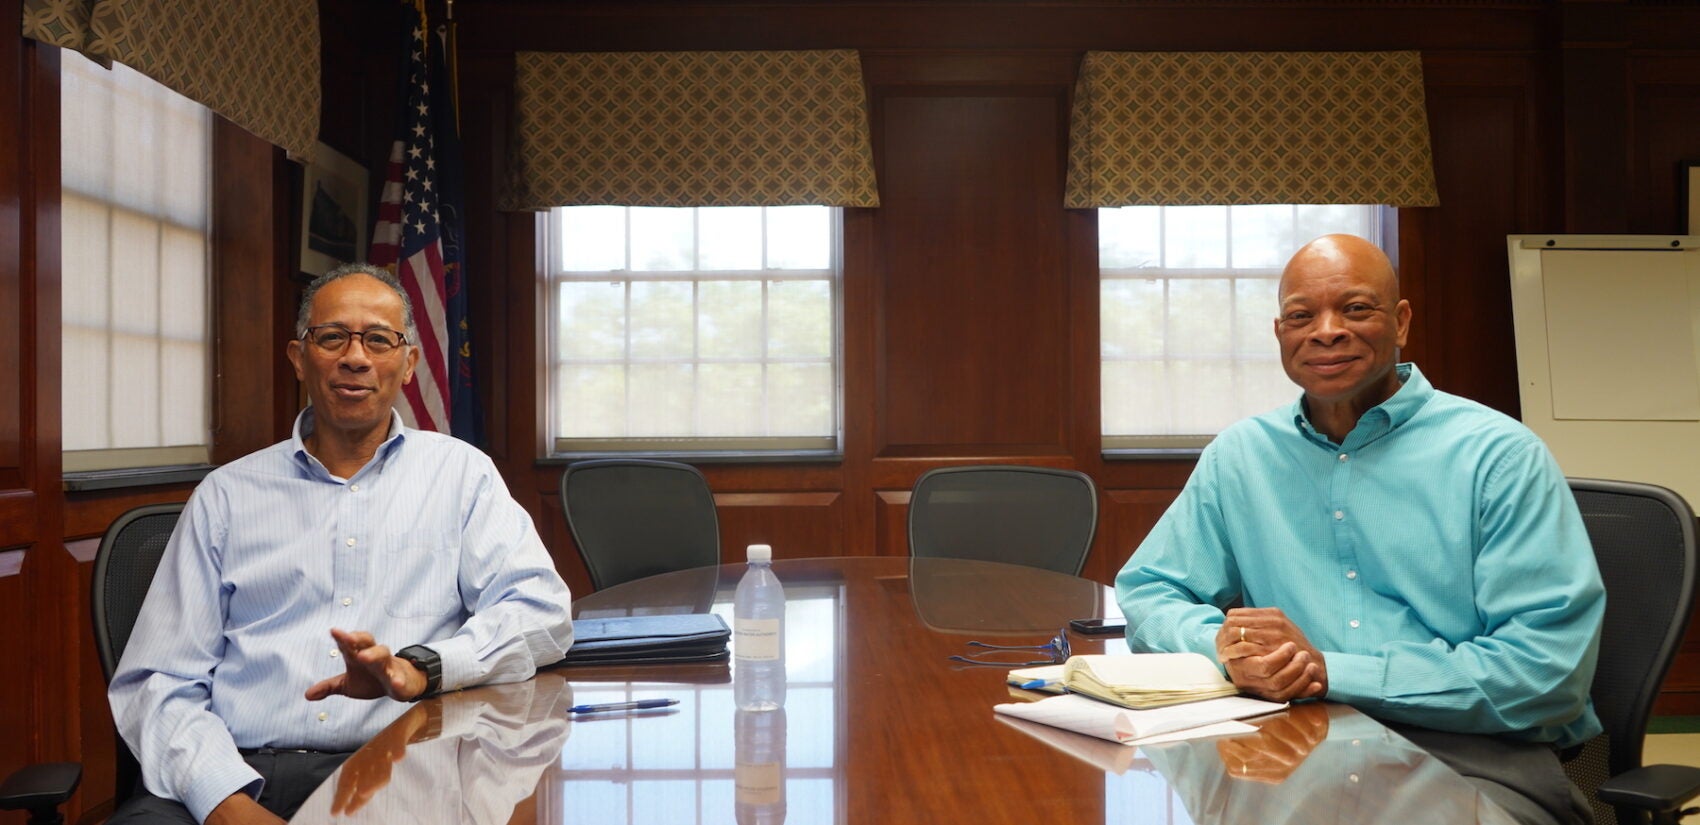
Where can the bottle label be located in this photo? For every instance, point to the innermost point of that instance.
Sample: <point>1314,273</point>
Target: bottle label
<point>756,640</point>
<point>760,784</point>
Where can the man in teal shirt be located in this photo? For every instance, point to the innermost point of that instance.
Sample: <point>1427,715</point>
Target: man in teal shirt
<point>1408,552</point>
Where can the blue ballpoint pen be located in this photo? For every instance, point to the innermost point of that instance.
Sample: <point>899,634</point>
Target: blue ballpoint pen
<point>641,704</point>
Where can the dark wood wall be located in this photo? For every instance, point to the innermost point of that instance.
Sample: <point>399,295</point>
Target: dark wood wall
<point>970,314</point>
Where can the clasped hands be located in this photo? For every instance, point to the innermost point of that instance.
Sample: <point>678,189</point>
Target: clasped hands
<point>373,671</point>
<point>1267,656</point>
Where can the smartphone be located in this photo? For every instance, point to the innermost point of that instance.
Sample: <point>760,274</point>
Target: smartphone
<point>1098,627</point>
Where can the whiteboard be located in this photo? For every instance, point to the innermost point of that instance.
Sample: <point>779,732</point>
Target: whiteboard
<point>1608,353</point>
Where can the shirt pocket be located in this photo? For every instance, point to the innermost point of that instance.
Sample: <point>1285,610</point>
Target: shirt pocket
<point>420,574</point>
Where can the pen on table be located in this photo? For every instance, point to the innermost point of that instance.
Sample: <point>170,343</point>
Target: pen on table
<point>641,704</point>
<point>1037,684</point>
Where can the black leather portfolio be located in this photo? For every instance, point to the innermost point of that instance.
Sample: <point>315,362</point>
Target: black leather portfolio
<point>691,637</point>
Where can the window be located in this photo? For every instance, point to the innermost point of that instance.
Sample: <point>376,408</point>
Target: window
<point>711,329</point>
<point>1187,302</point>
<point>135,198</point>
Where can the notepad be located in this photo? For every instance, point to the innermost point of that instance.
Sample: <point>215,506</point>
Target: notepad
<point>1081,714</point>
<point>1146,680</point>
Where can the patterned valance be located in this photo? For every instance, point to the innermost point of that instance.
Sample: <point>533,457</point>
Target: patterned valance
<point>1179,128</point>
<point>256,62</point>
<point>690,129</point>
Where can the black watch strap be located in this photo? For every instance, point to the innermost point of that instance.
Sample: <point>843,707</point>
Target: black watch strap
<point>430,663</point>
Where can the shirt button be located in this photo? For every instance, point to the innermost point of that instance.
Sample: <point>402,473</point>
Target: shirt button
<point>1353,777</point>
<point>346,601</point>
<point>335,653</point>
<point>323,716</point>
<point>350,542</point>
<point>1350,574</point>
<point>1338,515</point>
<point>1353,623</point>
<point>1342,458</point>
<point>355,488</point>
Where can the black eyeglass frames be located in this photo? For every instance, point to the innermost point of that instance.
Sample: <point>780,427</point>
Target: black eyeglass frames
<point>992,655</point>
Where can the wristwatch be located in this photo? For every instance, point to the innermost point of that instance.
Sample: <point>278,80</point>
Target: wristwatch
<point>428,662</point>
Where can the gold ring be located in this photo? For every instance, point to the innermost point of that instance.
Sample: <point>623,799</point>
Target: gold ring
<point>1242,633</point>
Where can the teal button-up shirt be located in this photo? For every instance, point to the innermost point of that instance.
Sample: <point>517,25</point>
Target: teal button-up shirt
<point>1436,558</point>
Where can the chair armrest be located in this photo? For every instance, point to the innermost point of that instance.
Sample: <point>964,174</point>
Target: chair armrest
<point>1652,787</point>
<point>43,786</point>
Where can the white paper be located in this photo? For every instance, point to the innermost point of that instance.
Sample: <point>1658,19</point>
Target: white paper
<point>1132,727</point>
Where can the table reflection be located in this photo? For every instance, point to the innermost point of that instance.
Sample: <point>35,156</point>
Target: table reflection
<point>1315,764</point>
<point>469,757</point>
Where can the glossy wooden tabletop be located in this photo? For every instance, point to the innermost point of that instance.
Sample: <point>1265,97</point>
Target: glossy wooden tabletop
<point>878,727</point>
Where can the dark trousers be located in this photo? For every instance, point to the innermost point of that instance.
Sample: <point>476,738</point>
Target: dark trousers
<point>1524,778</point>
<point>291,777</point>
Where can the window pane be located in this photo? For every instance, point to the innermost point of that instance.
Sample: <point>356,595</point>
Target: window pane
<point>661,396</point>
<point>592,319</point>
<point>591,400</point>
<point>591,238</point>
<point>1263,236</point>
<point>1195,237</point>
<point>662,319</point>
<point>799,319</point>
<point>1132,317</point>
<point>1136,398</point>
<point>729,319</point>
<point>1201,317</point>
<point>801,399</point>
<point>1255,309</point>
<point>731,399</point>
<point>731,237</point>
<point>662,239</point>
<point>799,237</point>
<point>1130,237</point>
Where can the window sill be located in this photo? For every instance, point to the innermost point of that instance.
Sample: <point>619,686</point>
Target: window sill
<point>1152,454</point>
<point>799,457</point>
<point>90,480</point>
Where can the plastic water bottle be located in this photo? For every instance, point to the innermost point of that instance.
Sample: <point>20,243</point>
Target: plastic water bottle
<point>758,628</point>
<point>760,773</point>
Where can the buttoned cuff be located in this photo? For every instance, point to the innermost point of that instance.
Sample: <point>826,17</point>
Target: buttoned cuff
<point>217,784</point>
<point>460,662</point>
<point>1356,679</point>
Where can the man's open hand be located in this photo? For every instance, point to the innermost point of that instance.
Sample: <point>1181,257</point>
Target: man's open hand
<point>372,671</point>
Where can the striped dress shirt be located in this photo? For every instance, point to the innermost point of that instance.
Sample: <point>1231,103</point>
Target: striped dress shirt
<point>1436,558</point>
<point>424,545</point>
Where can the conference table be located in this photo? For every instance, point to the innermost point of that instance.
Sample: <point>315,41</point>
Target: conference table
<point>878,727</point>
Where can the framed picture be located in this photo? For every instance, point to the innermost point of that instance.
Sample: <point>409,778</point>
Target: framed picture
<point>333,212</point>
<point>1691,194</point>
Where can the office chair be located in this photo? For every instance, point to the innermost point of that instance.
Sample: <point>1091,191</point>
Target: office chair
<point>1644,540</point>
<point>633,518</point>
<point>1035,516</point>
<point>124,565</point>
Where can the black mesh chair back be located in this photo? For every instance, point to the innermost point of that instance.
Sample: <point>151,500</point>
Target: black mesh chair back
<point>123,570</point>
<point>633,518</point>
<point>1643,538</point>
<point>1034,516</point>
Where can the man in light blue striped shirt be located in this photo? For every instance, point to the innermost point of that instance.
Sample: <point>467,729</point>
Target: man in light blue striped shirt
<point>313,587</point>
<point>1408,552</point>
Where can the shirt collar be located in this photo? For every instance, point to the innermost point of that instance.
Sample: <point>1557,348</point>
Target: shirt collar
<point>1379,420</point>
<point>304,425</point>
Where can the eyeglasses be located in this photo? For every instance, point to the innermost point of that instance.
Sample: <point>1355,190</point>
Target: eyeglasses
<point>1002,655</point>
<point>334,338</point>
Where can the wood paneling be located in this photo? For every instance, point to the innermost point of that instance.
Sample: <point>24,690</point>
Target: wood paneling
<point>797,525</point>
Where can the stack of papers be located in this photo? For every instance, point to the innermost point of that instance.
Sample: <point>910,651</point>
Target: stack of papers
<point>1146,680</point>
<point>1214,717</point>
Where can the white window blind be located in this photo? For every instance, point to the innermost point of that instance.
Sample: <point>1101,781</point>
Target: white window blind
<point>136,193</point>
<point>693,330</point>
<point>1187,302</point>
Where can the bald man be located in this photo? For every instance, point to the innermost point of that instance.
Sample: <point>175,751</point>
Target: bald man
<point>1385,545</point>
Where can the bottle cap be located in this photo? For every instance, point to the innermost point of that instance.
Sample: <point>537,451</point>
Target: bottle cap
<point>758,553</point>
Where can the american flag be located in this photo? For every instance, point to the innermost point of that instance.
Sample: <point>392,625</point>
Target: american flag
<point>418,236</point>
